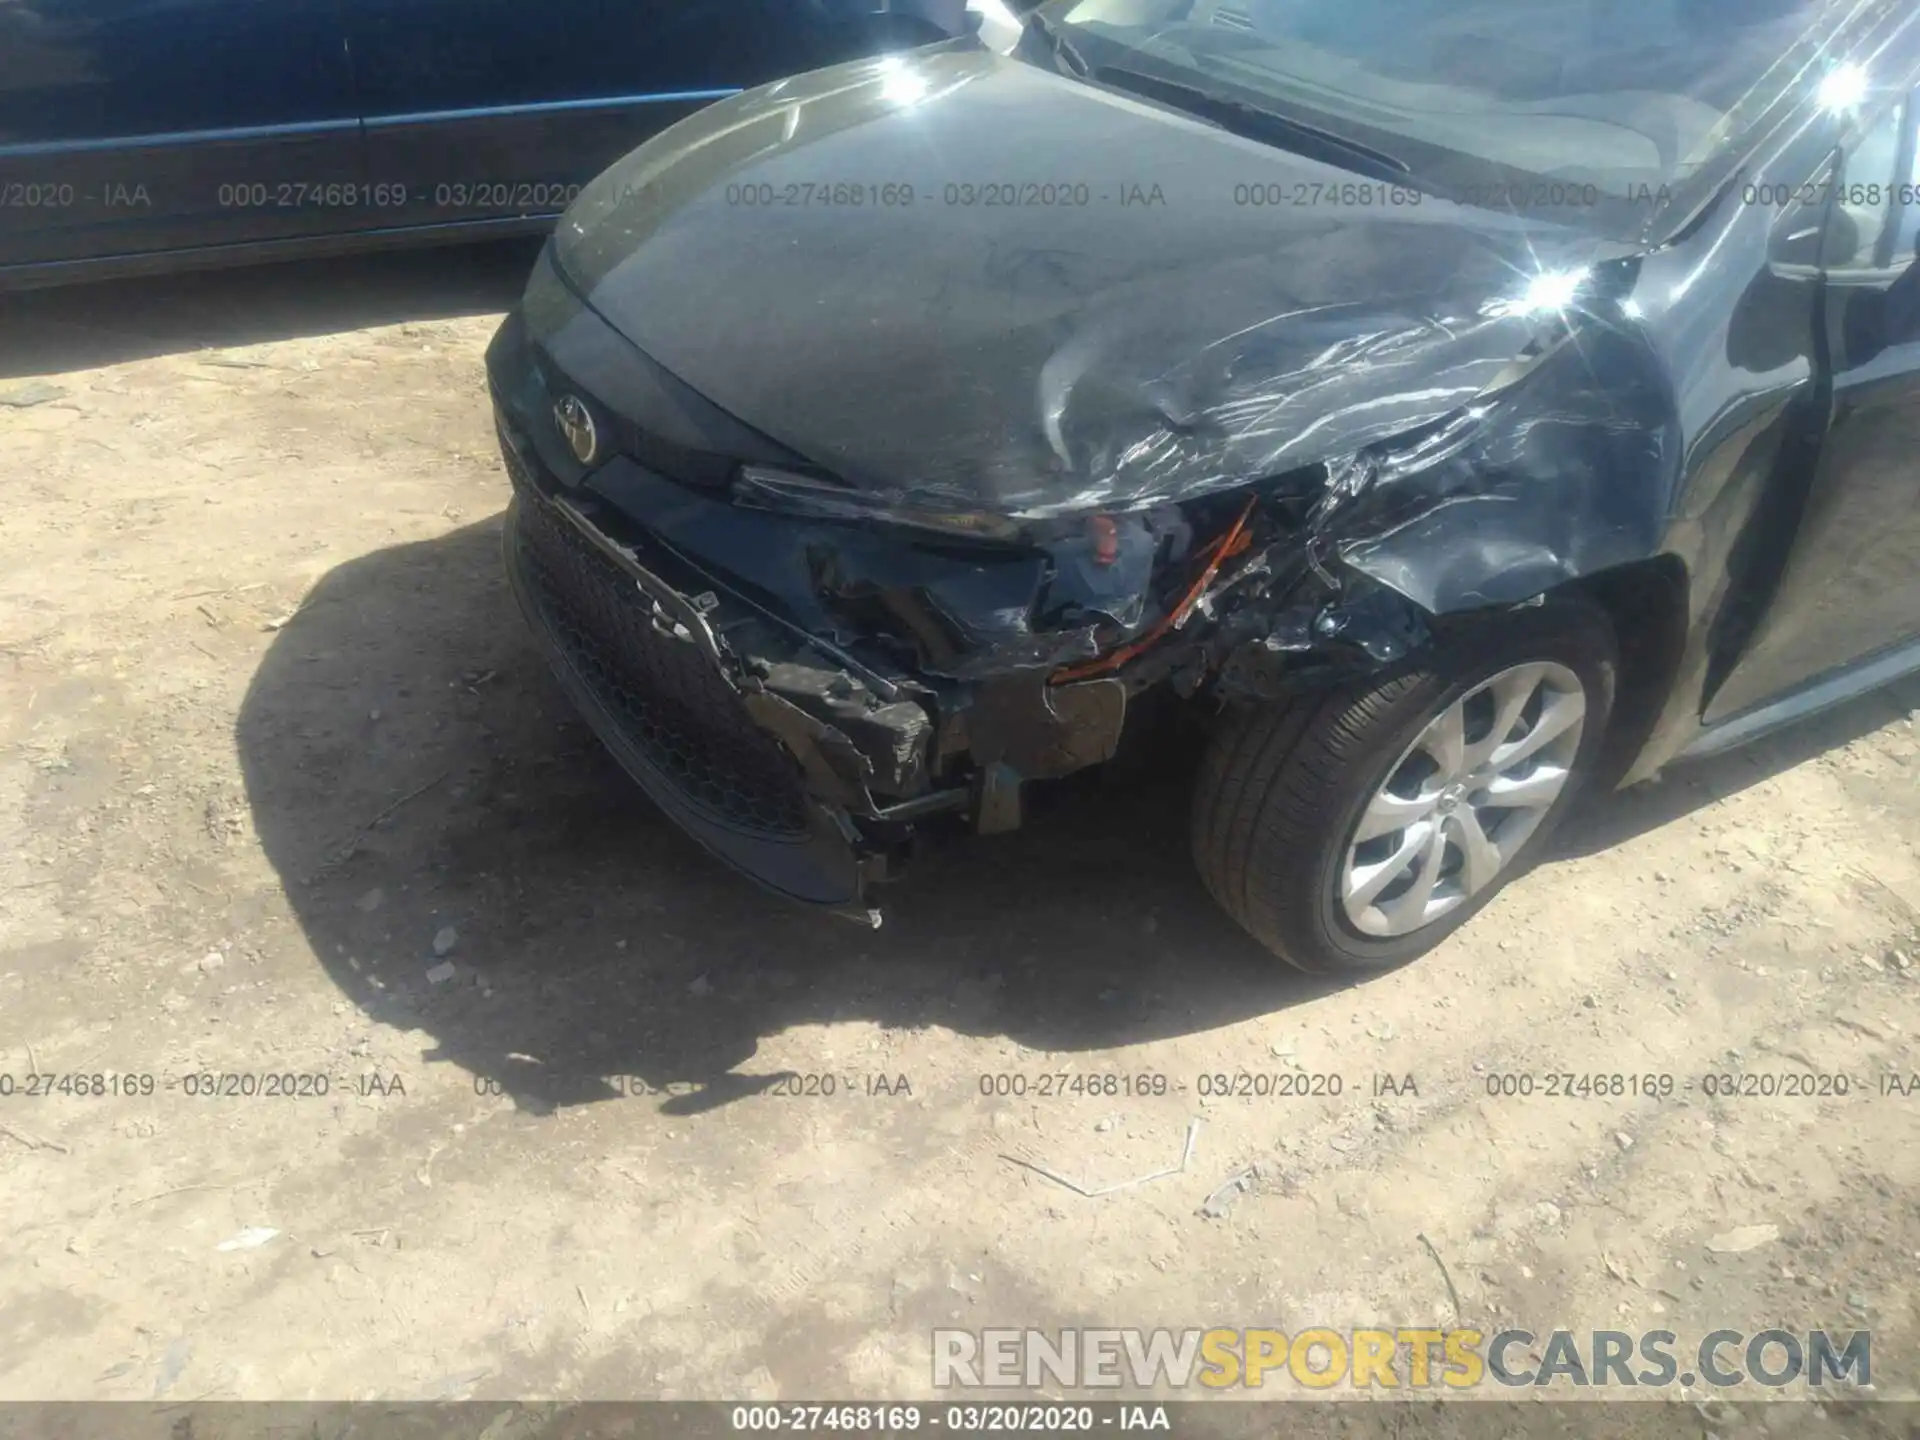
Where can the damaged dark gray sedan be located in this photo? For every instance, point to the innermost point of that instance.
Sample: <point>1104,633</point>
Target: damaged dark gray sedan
<point>1459,402</point>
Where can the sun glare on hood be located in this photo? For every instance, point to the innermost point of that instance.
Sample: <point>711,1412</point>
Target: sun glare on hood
<point>1545,294</point>
<point>900,84</point>
<point>1844,89</point>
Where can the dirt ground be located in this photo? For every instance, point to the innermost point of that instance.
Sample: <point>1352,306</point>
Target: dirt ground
<point>270,727</point>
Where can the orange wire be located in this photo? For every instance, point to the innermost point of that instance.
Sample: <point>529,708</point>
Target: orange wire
<point>1225,548</point>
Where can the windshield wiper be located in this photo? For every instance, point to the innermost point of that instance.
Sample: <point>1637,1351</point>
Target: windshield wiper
<point>1062,48</point>
<point>1256,123</point>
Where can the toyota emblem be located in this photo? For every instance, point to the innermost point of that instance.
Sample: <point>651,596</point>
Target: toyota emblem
<point>570,413</point>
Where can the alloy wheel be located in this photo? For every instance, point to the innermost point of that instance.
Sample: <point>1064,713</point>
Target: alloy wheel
<point>1463,799</point>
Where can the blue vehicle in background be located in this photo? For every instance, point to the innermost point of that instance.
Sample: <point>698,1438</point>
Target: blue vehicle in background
<point>142,135</point>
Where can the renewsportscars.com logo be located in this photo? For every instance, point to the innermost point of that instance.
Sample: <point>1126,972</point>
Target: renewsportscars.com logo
<point>1322,1358</point>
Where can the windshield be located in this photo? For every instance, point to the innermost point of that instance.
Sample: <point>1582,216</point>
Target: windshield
<point>1603,114</point>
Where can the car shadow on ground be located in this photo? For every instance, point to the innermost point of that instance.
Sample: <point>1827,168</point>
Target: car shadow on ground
<point>412,766</point>
<point>78,327</point>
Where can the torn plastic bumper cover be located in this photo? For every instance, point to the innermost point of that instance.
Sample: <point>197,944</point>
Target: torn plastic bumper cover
<point>794,762</point>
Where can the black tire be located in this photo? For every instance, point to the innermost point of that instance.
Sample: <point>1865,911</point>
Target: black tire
<point>1282,786</point>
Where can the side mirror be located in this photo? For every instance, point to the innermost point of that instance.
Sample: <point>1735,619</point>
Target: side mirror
<point>1807,241</point>
<point>995,25</point>
<point>1841,246</point>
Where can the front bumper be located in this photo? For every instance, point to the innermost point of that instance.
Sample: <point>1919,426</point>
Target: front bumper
<point>796,693</point>
<point>643,662</point>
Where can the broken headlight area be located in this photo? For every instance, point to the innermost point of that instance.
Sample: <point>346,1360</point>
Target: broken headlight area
<point>1097,569</point>
<point>969,595</point>
<point>1215,574</point>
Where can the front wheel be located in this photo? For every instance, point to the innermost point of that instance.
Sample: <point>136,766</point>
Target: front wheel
<point>1357,828</point>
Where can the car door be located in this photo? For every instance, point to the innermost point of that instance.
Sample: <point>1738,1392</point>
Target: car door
<point>1850,589</point>
<point>147,125</point>
<point>488,109</point>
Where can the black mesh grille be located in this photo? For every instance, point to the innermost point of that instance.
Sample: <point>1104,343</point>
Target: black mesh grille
<point>670,701</point>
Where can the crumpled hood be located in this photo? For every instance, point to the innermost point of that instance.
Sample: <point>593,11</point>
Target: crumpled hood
<point>958,278</point>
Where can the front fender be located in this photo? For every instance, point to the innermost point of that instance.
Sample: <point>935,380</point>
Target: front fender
<point>1573,473</point>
